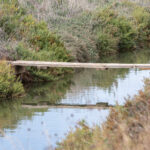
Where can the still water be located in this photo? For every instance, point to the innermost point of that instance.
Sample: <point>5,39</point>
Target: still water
<point>30,129</point>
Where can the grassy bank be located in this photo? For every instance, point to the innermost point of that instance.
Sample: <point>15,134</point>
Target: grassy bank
<point>127,128</point>
<point>31,40</point>
<point>88,29</point>
<point>29,30</point>
<point>92,29</point>
<point>23,37</point>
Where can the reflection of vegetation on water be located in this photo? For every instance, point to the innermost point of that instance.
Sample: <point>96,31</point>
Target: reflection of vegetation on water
<point>50,92</point>
<point>129,57</point>
<point>102,78</point>
<point>107,78</point>
<point>11,112</point>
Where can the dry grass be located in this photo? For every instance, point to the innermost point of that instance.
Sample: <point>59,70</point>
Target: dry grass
<point>6,47</point>
<point>46,9</point>
<point>127,128</point>
<point>73,20</point>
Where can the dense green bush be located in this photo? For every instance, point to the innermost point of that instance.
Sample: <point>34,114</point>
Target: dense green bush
<point>106,43</point>
<point>114,33</point>
<point>126,33</point>
<point>119,32</point>
<point>37,74</point>
<point>37,42</point>
<point>142,20</point>
<point>10,87</point>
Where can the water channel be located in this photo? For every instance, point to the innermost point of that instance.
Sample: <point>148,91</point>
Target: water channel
<point>40,128</point>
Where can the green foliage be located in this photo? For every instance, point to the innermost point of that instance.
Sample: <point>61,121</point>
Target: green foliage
<point>42,75</point>
<point>119,31</point>
<point>142,20</point>
<point>37,42</point>
<point>106,43</point>
<point>127,34</point>
<point>10,87</point>
<point>114,33</point>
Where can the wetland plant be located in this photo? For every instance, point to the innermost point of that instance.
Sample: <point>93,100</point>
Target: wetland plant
<point>10,87</point>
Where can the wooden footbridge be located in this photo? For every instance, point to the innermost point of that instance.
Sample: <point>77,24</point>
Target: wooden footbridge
<point>45,65</point>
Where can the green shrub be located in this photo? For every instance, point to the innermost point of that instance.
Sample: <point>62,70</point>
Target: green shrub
<point>10,87</point>
<point>38,43</point>
<point>42,75</point>
<point>106,43</point>
<point>122,31</point>
<point>142,20</point>
<point>114,33</point>
<point>126,33</point>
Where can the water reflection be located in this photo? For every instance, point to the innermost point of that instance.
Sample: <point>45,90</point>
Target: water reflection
<point>113,85</point>
<point>140,56</point>
<point>92,86</point>
<point>89,87</point>
<point>22,128</point>
<point>11,113</point>
<point>46,127</point>
<point>51,92</point>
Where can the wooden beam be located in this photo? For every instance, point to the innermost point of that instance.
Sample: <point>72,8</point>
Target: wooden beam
<point>43,64</point>
<point>100,105</point>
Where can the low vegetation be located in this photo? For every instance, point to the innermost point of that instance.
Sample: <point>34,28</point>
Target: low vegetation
<point>92,29</point>
<point>72,19</point>
<point>118,32</point>
<point>88,29</point>
<point>10,87</point>
<point>126,128</point>
<point>33,40</point>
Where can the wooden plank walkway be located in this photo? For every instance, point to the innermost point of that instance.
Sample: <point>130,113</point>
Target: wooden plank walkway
<point>44,65</point>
